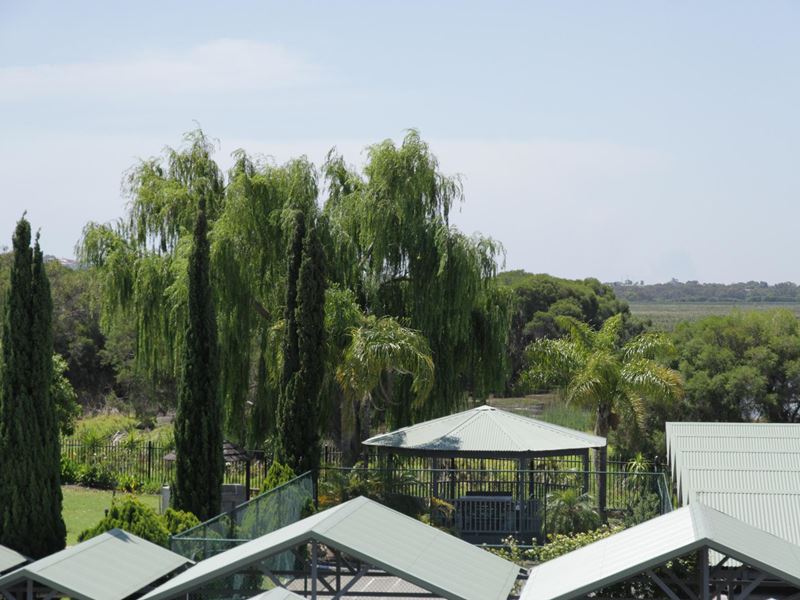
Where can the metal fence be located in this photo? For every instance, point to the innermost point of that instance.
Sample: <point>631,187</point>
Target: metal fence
<point>268,512</point>
<point>487,505</point>
<point>149,463</point>
<point>153,464</point>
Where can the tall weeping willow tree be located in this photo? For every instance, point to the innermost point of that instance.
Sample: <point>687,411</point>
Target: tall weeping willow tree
<point>391,252</point>
<point>142,263</point>
<point>393,243</point>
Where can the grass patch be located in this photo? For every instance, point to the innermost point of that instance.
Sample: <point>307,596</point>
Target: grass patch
<point>84,507</point>
<point>550,408</point>
<point>104,427</point>
<point>568,415</point>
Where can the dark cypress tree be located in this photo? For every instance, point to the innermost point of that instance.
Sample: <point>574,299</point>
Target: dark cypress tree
<point>30,492</point>
<point>310,343</point>
<point>198,423</point>
<point>298,426</point>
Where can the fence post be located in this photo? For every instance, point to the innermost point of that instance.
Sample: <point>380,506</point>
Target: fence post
<point>149,460</point>
<point>247,479</point>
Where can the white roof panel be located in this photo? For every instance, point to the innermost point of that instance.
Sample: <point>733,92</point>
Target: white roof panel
<point>111,566</point>
<point>380,536</point>
<point>654,542</point>
<point>485,430</point>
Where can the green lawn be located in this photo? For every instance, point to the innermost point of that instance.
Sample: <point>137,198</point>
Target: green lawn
<point>84,507</point>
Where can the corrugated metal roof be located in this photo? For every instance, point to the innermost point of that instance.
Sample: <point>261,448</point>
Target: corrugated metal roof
<point>380,536</point>
<point>776,513</point>
<point>278,593</point>
<point>111,566</point>
<point>777,437</point>
<point>766,481</point>
<point>654,542</point>
<point>748,470</point>
<point>9,559</point>
<point>731,459</point>
<point>487,429</point>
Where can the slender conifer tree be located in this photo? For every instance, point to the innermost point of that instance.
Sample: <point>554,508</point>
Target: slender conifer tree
<point>286,439</point>
<point>310,311</point>
<point>198,422</point>
<point>30,491</point>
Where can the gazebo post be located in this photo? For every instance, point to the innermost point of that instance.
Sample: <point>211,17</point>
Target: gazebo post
<point>452,480</point>
<point>586,468</point>
<point>602,480</point>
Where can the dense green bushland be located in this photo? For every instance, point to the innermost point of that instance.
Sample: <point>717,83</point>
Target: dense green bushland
<point>539,301</point>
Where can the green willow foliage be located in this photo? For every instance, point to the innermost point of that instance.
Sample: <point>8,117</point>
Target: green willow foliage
<point>390,253</point>
<point>393,244</point>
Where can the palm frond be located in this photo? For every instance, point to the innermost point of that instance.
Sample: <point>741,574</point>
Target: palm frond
<point>577,331</point>
<point>608,335</point>
<point>648,345</point>
<point>383,345</point>
<point>552,363</point>
<point>652,380</point>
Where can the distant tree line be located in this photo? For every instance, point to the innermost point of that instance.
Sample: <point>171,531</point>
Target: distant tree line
<point>694,291</point>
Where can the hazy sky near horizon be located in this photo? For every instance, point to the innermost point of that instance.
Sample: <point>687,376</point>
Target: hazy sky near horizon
<point>640,140</point>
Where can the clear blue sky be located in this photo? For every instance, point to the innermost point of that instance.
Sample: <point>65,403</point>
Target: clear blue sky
<point>642,140</point>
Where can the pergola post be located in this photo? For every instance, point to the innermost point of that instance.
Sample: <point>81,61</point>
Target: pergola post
<point>703,573</point>
<point>314,561</point>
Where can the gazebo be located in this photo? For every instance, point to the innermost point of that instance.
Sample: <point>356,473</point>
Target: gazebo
<point>488,462</point>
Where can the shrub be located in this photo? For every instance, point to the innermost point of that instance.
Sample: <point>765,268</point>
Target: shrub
<point>570,512</point>
<point>278,474</point>
<point>69,470</point>
<point>643,509</point>
<point>129,484</point>
<point>178,521</point>
<point>562,543</point>
<point>134,517</point>
<point>98,476</point>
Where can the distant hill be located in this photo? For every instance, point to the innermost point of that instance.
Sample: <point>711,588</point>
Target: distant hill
<point>694,291</point>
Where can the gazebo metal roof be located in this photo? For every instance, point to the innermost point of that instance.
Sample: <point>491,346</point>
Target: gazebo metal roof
<point>9,559</point>
<point>370,532</point>
<point>655,542</point>
<point>111,566</point>
<point>483,432</point>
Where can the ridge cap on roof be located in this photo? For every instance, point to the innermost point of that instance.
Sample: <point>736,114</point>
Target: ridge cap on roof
<point>334,518</point>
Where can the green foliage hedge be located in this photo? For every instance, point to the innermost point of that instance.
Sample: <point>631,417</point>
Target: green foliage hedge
<point>135,517</point>
<point>556,546</point>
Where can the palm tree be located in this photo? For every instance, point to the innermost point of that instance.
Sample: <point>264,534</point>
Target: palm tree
<point>597,370</point>
<point>380,348</point>
<point>570,512</point>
